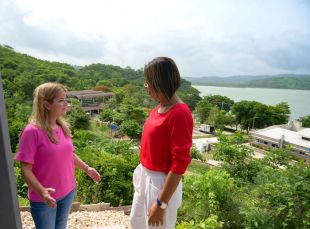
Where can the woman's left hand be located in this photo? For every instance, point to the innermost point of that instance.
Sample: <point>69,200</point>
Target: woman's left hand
<point>156,216</point>
<point>93,174</point>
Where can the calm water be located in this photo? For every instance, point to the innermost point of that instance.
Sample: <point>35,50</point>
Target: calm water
<point>299,100</point>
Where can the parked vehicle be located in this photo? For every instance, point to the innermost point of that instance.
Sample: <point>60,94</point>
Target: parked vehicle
<point>206,129</point>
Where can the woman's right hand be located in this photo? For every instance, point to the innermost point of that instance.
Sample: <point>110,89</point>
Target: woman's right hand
<point>32,181</point>
<point>47,198</point>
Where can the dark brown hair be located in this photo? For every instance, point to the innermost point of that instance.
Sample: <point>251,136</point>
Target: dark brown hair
<point>163,76</point>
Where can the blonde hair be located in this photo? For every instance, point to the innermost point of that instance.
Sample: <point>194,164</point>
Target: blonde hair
<point>39,117</point>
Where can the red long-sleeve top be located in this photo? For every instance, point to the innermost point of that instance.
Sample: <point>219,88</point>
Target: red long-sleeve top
<point>167,139</point>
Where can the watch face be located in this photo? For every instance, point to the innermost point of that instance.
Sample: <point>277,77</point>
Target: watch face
<point>163,205</point>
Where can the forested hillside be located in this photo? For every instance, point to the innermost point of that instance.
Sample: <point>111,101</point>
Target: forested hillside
<point>21,74</point>
<point>287,81</point>
<point>302,83</point>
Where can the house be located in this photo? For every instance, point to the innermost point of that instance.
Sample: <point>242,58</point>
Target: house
<point>282,135</point>
<point>91,101</point>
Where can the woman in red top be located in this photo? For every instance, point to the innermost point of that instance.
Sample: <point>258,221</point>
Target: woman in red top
<point>165,150</point>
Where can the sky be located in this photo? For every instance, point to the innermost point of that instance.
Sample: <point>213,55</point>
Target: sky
<point>204,37</point>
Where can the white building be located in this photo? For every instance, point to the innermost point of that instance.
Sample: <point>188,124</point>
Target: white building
<point>204,144</point>
<point>280,136</point>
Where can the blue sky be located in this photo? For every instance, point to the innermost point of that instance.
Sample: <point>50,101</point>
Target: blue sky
<point>205,37</point>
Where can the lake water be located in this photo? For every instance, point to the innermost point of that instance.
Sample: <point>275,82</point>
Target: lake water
<point>299,100</point>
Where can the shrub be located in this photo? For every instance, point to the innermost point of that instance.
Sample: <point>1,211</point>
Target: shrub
<point>195,154</point>
<point>131,128</point>
<point>22,187</point>
<point>211,222</point>
<point>116,169</point>
<point>78,118</point>
<point>213,193</point>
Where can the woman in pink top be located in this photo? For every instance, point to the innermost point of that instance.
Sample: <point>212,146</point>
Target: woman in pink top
<point>165,150</point>
<point>47,158</point>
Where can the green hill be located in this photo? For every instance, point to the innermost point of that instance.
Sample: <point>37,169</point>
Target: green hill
<point>302,83</point>
<point>285,81</point>
<point>21,73</point>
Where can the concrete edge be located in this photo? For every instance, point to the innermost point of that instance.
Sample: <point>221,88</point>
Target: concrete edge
<point>76,206</point>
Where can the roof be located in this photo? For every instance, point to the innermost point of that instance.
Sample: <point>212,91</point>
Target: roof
<point>291,137</point>
<point>88,94</point>
<point>305,132</point>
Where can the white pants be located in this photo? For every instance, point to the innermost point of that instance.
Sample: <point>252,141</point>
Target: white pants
<point>147,185</point>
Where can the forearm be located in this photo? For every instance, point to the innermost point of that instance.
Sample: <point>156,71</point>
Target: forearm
<point>170,185</point>
<point>88,170</point>
<point>80,164</point>
<point>30,179</point>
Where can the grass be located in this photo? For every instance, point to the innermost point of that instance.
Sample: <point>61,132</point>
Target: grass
<point>203,136</point>
<point>197,167</point>
<point>99,130</point>
<point>247,137</point>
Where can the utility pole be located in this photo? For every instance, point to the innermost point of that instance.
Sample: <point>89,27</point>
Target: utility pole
<point>9,210</point>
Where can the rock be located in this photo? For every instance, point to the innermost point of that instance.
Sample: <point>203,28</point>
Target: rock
<point>88,219</point>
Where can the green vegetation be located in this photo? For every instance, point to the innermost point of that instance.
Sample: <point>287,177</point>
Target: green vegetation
<point>197,167</point>
<point>252,114</point>
<point>246,192</point>
<point>305,121</point>
<point>301,82</point>
<point>215,110</point>
<point>243,193</point>
<point>21,74</point>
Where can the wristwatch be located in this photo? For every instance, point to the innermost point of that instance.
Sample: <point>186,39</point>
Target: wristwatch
<point>162,205</point>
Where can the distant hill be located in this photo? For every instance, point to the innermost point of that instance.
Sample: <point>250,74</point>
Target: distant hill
<point>285,81</point>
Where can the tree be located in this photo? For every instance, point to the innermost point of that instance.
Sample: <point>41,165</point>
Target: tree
<point>305,121</point>
<point>252,114</point>
<point>190,96</point>
<point>101,88</point>
<point>280,113</point>
<point>244,112</point>
<point>106,115</point>
<point>237,158</point>
<point>78,118</point>
<point>222,102</point>
<point>219,118</point>
<point>132,112</point>
<point>202,110</point>
<point>131,128</point>
<point>106,83</point>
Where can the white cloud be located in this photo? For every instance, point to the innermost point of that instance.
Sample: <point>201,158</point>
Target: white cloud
<point>205,37</point>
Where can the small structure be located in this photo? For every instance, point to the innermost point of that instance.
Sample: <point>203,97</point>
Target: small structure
<point>91,101</point>
<point>204,144</point>
<point>281,136</point>
<point>206,129</point>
